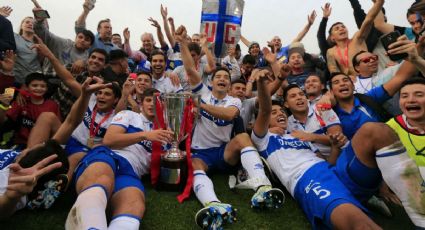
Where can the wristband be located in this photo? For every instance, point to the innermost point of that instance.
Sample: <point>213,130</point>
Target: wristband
<point>4,107</point>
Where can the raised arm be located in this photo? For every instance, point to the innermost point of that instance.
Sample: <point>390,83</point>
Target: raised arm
<point>261,124</point>
<point>168,33</point>
<point>136,55</point>
<point>381,25</point>
<point>310,21</point>
<point>367,24</point>
<point>210,58</point>
<point>7,39</point>
<point>60,69</point>
<point>245,41</point>
<point>321,32</point>
<point>159,33</point>
<point>80,24</point>
<point>78,109</point>
<point>188,63</point>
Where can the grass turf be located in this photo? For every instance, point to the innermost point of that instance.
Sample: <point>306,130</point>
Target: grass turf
<point>164,212</point>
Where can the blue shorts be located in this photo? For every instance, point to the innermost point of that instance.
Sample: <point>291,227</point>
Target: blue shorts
<point>73,146</point>
<point>319,192</point>
<point>362,181</point>
<point>213,158</point>
<point>123,171</point>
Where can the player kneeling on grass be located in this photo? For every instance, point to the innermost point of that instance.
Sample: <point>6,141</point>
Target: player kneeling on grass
<point>213,149</point>
<point>39,175</point>
<point>114,175</point>
<point>328,194</point>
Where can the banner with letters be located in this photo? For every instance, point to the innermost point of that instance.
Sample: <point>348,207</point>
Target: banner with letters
<point>221,21</point>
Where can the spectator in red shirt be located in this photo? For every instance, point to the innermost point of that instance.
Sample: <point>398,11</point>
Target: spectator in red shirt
<point>23,117</point>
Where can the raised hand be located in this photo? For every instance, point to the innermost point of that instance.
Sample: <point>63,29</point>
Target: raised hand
<point>126,34</point>
<point>8,61</point>
<point>181,34</point>
<point>23,180</point>
<point>5,11</point>
<point>311,17</point>
<point>327,10</point>
<point>93,84</point>
<point>154,23</point>
<point>269,56</point>
<point>404,45</point>
<point>164,12</point>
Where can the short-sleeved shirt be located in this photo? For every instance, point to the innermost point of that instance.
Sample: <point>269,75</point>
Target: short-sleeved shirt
<point>361,113</point>
<point>164,85</point>
<point>293,157</point>
<point>81,133</point>
<point>210,131</point>
<point>26,116</point>
<point>317,124</point>
<point>139,154</point>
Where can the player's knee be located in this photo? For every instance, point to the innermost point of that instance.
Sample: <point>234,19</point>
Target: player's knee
<point>378,131</point>
<point>243,140</point>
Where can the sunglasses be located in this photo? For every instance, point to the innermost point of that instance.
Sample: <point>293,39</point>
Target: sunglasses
<point>369,59</point>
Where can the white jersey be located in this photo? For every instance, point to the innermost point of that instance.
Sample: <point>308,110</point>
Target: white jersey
<point>8,157</point>
<point>288,157</point>
<point>317,124</point>
<point>164,85</point>
<point>210,131</point>
<point>81,133</point>
<point>139,154</point>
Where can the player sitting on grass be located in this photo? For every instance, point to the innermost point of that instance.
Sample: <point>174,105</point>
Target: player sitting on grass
<point>330,195</point>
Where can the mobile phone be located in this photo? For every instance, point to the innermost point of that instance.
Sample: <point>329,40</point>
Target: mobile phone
<point>42,14</point>
<point>387,40</point>
<point>9,91</point>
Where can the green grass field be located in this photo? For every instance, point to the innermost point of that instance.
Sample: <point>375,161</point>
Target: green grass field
<point>164,212</point>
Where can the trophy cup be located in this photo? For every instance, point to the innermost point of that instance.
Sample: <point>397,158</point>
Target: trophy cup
<point>176,110</point>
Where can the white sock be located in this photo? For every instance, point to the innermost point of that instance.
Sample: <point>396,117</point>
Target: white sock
<point>203,187</point>
<point>127,222</point>
<point>402,175</point>
<point>252,163</point>
<point>89,210</point>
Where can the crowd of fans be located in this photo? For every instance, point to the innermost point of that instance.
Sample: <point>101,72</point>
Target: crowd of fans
<point>342,131</point>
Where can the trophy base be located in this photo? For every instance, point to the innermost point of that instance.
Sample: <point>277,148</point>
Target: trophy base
<point>173,175</point>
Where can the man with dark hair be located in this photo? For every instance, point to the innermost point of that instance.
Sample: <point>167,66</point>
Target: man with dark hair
<point>329,195</point>
<point>118,67</point>
<point>112,173</point>
<point>314,87</point>
<point>70,53</point>
<point>214,149</point>
<point>352,111</point>
<point>20,179</point>
<point>159,79</point>
<point>104,29</point>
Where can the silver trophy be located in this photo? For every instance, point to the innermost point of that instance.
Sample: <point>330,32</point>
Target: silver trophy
<point>173,172</point>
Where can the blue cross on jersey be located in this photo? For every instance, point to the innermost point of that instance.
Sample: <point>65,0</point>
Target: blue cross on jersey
<point>220,32</point>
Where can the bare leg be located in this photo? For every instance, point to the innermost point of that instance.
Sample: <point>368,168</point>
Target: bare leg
<point>46,125</point>
<point>348,216</point>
